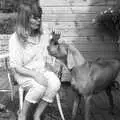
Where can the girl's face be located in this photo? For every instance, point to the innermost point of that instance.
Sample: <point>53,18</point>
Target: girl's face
<point>35,22</point>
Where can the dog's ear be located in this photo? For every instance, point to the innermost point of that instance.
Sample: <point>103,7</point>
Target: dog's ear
<point>70,59</point>
<point>74,58</point>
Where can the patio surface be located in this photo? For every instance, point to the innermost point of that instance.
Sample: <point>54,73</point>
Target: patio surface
<point>99,104</point>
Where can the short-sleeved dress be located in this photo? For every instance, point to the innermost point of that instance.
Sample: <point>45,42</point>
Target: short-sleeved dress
<point>34,57</point>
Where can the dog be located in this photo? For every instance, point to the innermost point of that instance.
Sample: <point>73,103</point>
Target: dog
<point>88,78</point>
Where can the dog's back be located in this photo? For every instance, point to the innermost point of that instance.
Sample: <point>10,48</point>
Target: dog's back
<point>95,76</point>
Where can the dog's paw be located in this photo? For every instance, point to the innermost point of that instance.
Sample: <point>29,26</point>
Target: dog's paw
<point>3,108</point>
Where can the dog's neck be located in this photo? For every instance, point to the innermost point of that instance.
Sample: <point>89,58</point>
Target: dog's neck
<point>64,62</point>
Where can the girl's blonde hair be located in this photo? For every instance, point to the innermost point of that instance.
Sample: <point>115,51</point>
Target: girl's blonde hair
<point>25,11</point>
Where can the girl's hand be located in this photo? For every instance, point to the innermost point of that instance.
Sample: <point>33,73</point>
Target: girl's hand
<point>41,79</point>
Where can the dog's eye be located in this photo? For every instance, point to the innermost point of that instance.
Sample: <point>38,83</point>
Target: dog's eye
<point>55,43</point>
<point>52,42</point>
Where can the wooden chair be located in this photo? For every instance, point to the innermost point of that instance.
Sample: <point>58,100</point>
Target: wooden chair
<point>21,90</point>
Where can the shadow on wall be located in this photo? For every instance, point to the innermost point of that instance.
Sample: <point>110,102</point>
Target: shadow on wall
<point>86,29</point>
<point>90,11</point>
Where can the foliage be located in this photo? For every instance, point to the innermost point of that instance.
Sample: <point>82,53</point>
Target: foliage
<point>8,6</point>
<point>108,22</point>
<point>7,26</point>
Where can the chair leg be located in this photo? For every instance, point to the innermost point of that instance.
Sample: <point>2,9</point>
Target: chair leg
<point>11,87</point>
<point>59,106</point>
<point>21,92</point>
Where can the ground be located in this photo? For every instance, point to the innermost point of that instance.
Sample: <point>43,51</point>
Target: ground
<point>99,104</point>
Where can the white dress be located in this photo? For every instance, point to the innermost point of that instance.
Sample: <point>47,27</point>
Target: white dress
<point>34,57</point>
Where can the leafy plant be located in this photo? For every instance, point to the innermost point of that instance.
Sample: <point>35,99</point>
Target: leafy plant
<point>108,22</point>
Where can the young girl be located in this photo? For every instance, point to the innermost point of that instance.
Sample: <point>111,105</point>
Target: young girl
<point>30,61</point>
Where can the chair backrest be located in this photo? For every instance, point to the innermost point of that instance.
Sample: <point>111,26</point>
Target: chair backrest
<point>9,72</point>
<point>6,64</point>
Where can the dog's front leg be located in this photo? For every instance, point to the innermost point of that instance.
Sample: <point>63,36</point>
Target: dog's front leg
<point>87,107</point>
<point>110,98</point>
<point>76,102</point>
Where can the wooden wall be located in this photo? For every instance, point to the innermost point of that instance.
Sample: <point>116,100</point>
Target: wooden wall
<point>74,19</point>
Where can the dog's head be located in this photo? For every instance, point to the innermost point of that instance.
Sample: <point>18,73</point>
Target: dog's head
<point>55,48</point>
<point>67,54</point>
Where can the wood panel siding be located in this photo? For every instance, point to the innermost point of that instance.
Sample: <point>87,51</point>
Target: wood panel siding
<point>77,2</point>
<point>73,18</point>
<point>74,9</point>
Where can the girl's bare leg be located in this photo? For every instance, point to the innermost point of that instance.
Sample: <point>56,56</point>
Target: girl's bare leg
<point>39,110</point>
<point>26,108</point>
